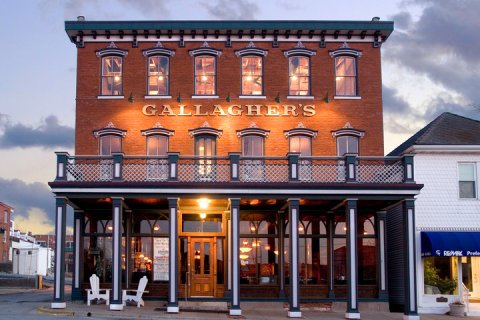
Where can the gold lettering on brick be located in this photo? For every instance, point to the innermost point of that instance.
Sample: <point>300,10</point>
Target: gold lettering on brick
<point>289,110</point>
<point>272,110</point>
<point>309,110</point>
<point>218,110</point>
<point>198,110</point>
<point>253,108</point>
<point>149,110</point>
<point>182,111</point>
<point>236,112</point>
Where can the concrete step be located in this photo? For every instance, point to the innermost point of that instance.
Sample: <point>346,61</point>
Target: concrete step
<point>207,306</point>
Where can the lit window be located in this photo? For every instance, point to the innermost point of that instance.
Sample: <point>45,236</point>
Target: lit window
<point>158,76</point>
<point>157,145</point>
<point>466,180</point>
<point>112,76</point>
<point>252,146</point>
<point>252,75</point>
<point>347,145</point>
<point>301,144</point>
<point>299,76</point>
<point>205,75</point>
<point>345,76</point>
<point>205,149</point>
<point>109,144</point>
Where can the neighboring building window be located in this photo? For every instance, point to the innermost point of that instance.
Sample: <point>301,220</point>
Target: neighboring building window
<point>205,75</point>
<point>157,145</point>
<point>112,76</point>
<point>158,76</point>
<point>345,76</point>
<point>347,144</point>
<point>301,144</point>
<point>5,216</point>
<point>466,180</point>
<point>299,76</point>
<point>252,75</point>
<point>109,144</point>
<point>440,274</point>
<point>252,146</point>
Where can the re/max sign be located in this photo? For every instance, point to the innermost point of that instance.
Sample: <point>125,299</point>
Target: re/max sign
<point>271,110</point>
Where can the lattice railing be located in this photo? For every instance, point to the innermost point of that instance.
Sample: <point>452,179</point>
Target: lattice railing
<point>211,169</point>
<point>326,170</point>
<point>89,169</point>
<point>145,169</point>
<point>263,170</point>
<point>384,170</point>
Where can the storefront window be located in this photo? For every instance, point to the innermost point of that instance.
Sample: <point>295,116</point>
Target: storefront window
<point>440,275</point>
<point>367,249</point>
<point>313,249</point>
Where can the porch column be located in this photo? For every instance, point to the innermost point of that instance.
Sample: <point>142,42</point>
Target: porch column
<point>60,230</point>
<point>228,292</point>
<point>77,255</point>
<point>294,308</point>
<point>330,234</point>
<point>281,250</point>
<point>411,308</point>
<point>352,265</point>
<point>128,247</point>
<point>234,249</point>
<point>116,302</point>
<point>381,262</point>
<point>172,301</point>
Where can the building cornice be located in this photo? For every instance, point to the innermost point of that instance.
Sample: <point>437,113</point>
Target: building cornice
<point>415,149</point>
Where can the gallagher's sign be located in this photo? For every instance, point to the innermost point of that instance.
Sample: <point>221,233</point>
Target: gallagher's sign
<point>270,110</point>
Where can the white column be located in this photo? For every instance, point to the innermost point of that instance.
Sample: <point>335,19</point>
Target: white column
<point>116,302</point>
<point>382,260</point>
<point>352,265</point>
<point>172,301</point>
<point>294,307</point>
<point>77,255</point>
<point>60,229</point>
<point>235,251</point>
<point>411,308</point>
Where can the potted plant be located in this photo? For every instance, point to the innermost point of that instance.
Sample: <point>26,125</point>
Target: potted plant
<point>457,309</point>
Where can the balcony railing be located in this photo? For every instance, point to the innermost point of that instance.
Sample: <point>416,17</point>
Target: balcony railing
<point>235,168</point>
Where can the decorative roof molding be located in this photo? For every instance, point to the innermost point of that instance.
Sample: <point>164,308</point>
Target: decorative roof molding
<point>299,50</point>
<point>157,129</point>
<point>111,50</point>
<point>251,49</point>
<point>348,130</point>
<point>205,129</point>
<point>253,130</point>
<point>159,49</point>
<point>300,130</point>
<point>345,50</point>
<point>109,129</point>
<point>205,49</point>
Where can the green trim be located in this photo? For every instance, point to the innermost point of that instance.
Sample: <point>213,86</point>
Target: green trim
<point>230,25</point>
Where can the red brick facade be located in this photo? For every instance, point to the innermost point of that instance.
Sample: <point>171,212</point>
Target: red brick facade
<point>5,217</point>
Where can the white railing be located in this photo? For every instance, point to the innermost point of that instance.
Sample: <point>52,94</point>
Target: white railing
<point>465,296</point>
<point>235,168</point>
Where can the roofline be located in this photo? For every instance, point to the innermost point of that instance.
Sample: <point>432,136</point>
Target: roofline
<point>312,27</point>
<point>457,148</point>
<point>6,205</point>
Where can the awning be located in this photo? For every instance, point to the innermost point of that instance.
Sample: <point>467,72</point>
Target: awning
<point>450,244</point>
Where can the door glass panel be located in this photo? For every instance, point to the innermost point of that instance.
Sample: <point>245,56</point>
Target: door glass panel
<point>197,256</point>
<point>206,258</point>
<point>183,260</point>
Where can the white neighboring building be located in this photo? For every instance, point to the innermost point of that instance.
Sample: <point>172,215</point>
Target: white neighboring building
<point>29,258</point>
<point>447,162</point>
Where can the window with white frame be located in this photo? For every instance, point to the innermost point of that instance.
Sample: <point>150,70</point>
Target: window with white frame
<point>345,76</point>
<point>466,181</point>
<point>252,145</point>
<point>252,75</point>
<point>205,75</point>
<point>301,144</point>
<point>347,145</point>
<point>157,145</point>
<point>299,76</point>
<point>112,76</point>
<point>109,144</point>
<point>158,75</point>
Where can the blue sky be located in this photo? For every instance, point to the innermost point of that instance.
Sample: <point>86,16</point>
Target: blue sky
<point>430,64</point>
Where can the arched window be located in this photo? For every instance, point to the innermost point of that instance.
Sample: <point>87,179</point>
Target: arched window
<point>347,140</point>
<point>252,69</point>
<point>346,80</point>
<point>299,82</point>
<point>110,139</point>
<point>205,150</point>
<point>205,75</point>
<point>158,70</point>
<point>112,70</point>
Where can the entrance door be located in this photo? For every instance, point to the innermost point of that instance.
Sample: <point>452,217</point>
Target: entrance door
<point>202,261</point>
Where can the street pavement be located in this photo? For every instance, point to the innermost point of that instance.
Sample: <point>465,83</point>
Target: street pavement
<point>26,304</point>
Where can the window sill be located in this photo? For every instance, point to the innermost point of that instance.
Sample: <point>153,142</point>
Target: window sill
<point>110,97</point>
<point>205,97</point>
<point>301,97</point>
<point>347,98</point>
<point>252,97</point>
<point>158,97</point>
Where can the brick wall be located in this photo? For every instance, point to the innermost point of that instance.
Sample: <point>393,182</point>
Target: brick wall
<point>364,114</point>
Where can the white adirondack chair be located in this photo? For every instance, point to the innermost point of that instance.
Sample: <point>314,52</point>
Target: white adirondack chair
<point>95,292</point>
<point>136,295</point>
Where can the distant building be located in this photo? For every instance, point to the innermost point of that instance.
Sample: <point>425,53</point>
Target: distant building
<point>29,258</point>
<point>48,241</point>
<point>447,162</point>
<point>5,217</point>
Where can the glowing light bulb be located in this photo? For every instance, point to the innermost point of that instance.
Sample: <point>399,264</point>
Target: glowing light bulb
<point>116,78</point>
<point>203,203</point>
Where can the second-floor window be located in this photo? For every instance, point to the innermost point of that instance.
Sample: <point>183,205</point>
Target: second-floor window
<point>109,144</point>
<point>466,180</point>
<point>252,75</point>
<point>299,76</point>
<point>345,76</point>
<point>252,146</point>
<point>205,75</point>
<point>347,145</point>
<point>112,76</point>
<point>158,76</point>
<point>157,145</point>
<point>301,144</point>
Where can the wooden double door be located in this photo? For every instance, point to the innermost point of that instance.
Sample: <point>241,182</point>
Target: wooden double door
<point>201,267</point>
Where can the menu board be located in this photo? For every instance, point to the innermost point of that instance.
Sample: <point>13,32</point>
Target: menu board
<point>160,259</point>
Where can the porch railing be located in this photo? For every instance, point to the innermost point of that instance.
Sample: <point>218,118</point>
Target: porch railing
<point>235,168</point>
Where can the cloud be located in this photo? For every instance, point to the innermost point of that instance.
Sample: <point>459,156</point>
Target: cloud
<point>392,103</point>
<point>49,134</point>
<point>36,221</point>
<point>231,10</point>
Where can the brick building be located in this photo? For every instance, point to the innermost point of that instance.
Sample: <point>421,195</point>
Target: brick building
<point>234,160</point>
<point>5,224</point>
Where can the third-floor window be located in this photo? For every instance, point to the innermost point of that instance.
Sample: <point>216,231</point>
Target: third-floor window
<point>345,76</point>
<point>205,75</point>
<point>299,76</point>
<point>112,76</point>
<point>252,75</point>
<point>158,76</point>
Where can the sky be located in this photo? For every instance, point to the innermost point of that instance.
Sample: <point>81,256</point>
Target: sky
<point>430,65</point>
